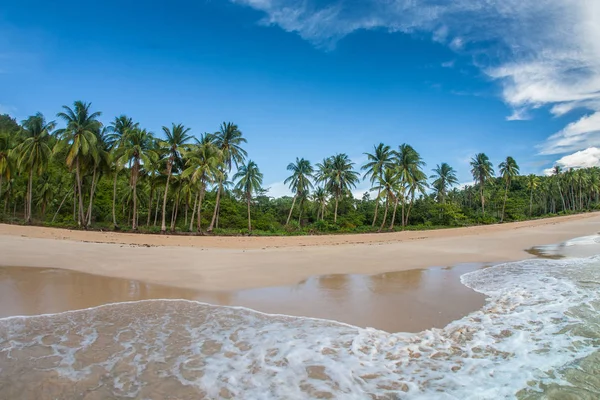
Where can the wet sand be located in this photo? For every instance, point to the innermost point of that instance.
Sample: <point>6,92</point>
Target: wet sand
<point>405,301</point>
<point>237,263</point>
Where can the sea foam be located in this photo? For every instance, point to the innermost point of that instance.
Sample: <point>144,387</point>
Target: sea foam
<point>540,323</point>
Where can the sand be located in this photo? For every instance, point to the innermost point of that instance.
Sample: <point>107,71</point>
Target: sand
<point>235,263</point>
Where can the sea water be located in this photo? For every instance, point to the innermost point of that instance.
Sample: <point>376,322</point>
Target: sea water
<point>537,337</point>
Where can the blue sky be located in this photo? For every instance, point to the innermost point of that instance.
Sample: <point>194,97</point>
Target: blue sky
<point>311,78</point>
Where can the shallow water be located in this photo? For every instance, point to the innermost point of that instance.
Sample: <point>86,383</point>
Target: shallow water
<point>418,299</point>
<point>537,337</point>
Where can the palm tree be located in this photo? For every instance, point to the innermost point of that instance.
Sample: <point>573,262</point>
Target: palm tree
<point>508,170</point>
<point>250,181</point>
<point>137,148</point>
<point>78,138</point>
<point>34,152</point>
<point>320,197</point>
<point>557,171</point>
<point>229,140</point>
<point>388,185</point>
<point>377,162</point>
<point>6,157</point>
<point>482,170</point>
<point>203,163</point>
<point>117,131</point>
<point>410,168</point>
<point>444,178</point>
<point>299,182</point>
<point>100,163</point>
<point>532,184</point>
<point>176,137</point>
<point>340,177</point>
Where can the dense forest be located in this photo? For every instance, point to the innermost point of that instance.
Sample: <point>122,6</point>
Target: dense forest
<point>77,172</point>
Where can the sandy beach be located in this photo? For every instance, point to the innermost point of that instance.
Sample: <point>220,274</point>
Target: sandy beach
<point>235,263</point>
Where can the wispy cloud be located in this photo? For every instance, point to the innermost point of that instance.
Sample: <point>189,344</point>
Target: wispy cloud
<point>542,53</point>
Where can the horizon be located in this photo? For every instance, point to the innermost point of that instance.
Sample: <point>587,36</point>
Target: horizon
<point>325,78</point>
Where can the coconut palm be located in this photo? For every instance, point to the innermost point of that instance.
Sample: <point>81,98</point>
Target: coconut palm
<point>409,164</point>
<point>444,178</point>
<point>78,139</point>
<point>340,177</point>
<point>116,132</point>
<point>176,137</point>
<point>229,141</point>
<point>203,163</point>
<point>300,180</point>
<point>508,170</point>
<point>320,197</point>
<point>99,160</point>
<point>532,183</point>
<point>137,148</point>
<point>34,152</point>
<point>482,171</point>
<point>388,186</point>
<point>557,172</point>
<point>6,158</point>
<point>249,180</point>
<point>377,162</point>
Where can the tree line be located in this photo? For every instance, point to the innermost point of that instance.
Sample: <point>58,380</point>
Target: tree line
<point>121,176</point>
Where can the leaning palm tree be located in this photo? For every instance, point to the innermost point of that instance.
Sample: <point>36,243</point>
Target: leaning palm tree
<point>117,131</point>
<point>137,148</point>
<point>377,162</point>
<point>532,183</point>
<point>340,178</point>
<point>229,140</point>
<point>444,178</point>
<point>204,164</point>
<point>78,139</point>
<point>34,153</point>
<point>176,137</point>
<point>300,181</point>
<point>508,170</point>
<point>482,171</point>
<point>249,181</point>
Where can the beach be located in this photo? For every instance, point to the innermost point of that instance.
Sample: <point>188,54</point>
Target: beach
<point>234,263</point>
<point>137,316</point>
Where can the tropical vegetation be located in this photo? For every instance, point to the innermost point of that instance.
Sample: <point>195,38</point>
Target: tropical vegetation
<point>74,171</point>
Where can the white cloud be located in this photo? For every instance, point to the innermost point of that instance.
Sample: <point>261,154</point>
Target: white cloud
<point>4,109</point>
<point>448,64</point>
<point>587,158</point>
<point>278,189</point>
<point>543,52</point>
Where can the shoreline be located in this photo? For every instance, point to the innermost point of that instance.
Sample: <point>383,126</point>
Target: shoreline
<point>237,263</point>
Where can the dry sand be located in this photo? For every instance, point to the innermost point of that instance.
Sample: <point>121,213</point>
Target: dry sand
<point>234,263</point>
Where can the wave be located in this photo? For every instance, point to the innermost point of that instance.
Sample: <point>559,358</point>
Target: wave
<point>538,332</point>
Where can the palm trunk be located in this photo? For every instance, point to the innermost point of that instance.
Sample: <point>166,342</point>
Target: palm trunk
<point>114,199</point>
<point>249,220</point>
<point>90,206</point>
<point>504,203</point>
<point>150,204</point>
<point>322,210</point>
<point>412,201</point>
<point>387,203</point>
<point>291,210</point>
<point>335,212</point>
<point>29,195</point>
<point>199,222</point>
<point>134,219</point>
<point>531,204</point>
<point>561,194</point>
<point>214,217</point>
<point>300,213</point>
<point>156,212</point>
<point>61,204</point>
<point>174,220</point>
<point>482,200</point>
<point>394,213</point>
<point>403,205</point>
<point>194,212</point>
<point>376,206</point>
<point>163,226</point>
<point>80,201</point>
